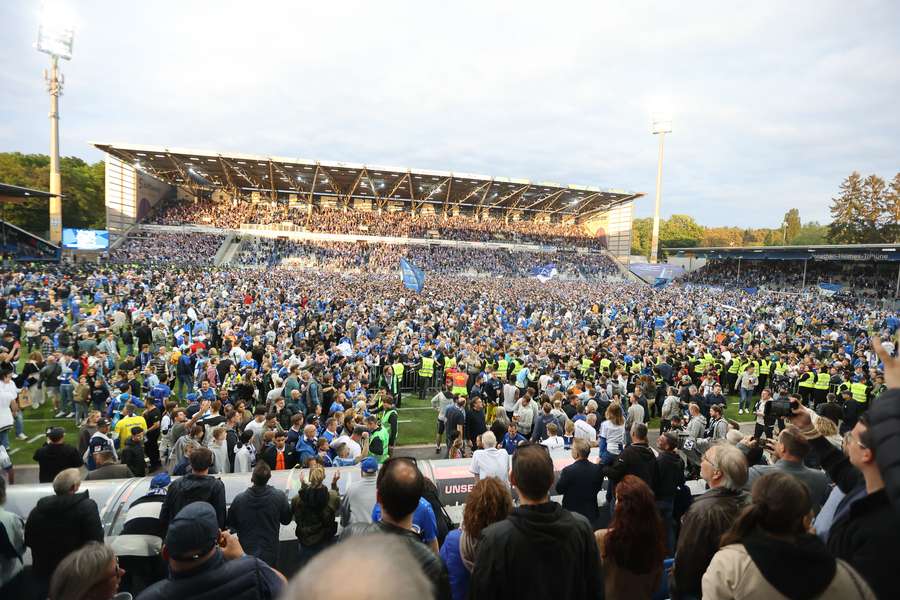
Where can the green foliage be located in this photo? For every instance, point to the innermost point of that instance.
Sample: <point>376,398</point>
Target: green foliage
<point>82,188</point>
<point>792,226</point>
<point>865,211</point>
<point>811,234</point>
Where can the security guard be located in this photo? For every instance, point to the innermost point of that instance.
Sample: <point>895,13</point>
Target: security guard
<point>765,368</point>
<point>389,421</point>
<point>807,385</point>
<point>820,387</point>
<point>426,373</point>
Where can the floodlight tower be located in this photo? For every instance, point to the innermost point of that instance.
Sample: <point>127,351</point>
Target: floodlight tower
<point>55,38</point>
<point>662,124</point>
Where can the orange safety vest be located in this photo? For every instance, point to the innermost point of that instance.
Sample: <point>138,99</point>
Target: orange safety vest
<point>460,380</point>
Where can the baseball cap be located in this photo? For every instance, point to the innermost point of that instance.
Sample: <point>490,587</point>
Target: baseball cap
<point>368,465</point>
<point>160,480</point>
<point>99,444</point>
<point>193,532</point>
<point>103,423</point>
<point>56,433</point>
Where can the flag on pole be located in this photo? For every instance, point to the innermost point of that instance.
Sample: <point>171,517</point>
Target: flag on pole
<point>829,289</point>
<point>545,273</point>
<point>412,276</point>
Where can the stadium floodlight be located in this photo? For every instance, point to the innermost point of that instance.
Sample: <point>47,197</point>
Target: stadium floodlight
<point>662,124</point>
<point>55,38</point>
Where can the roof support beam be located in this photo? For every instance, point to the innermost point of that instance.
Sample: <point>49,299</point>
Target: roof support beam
<point>481,204</point>
<point>232,186</point>
<point>474,191</point>
<point>331,181</point>
<point>185,176</point>
<point>312,184</point>
<point>273,194</point>
<point>549,197</point>
<point>374,191</point>
<point>586,215</point>
<point>583,201</point>
<point>447,195</point>
<point>394,189</point>
<point>354,186</point>
<point>412,191</point>
<point>518,195</point>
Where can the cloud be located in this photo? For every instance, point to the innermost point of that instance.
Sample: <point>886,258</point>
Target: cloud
<point>773,103</point>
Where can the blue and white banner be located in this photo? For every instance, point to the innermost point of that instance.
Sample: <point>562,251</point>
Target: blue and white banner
<point>545,273</point>
<point>829,289</point>
<point>412,276</point>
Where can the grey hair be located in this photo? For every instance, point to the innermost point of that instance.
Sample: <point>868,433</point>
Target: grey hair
<point>732,464</point>
<point>65,480</point>
<point>403,578</point>
<point>488,439</point>
<point>80,571</point>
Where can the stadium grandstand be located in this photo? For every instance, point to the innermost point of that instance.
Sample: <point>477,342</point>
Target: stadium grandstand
<point>15,242</point>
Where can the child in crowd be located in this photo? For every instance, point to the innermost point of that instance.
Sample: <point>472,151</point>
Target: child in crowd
<point>219,446</point>
<point>244,453</point>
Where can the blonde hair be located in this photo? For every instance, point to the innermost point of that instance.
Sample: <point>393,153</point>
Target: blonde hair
<point>614,414</point>
<point>826,426</point>
<point>570,427</point>
<point>316,475</point>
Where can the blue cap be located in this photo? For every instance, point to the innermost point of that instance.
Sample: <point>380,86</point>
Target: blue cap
<point>193,532</point>
<point>368,465</point>
<point>160,480</point>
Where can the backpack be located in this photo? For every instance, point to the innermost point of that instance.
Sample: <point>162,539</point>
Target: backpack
<point>444,522</point>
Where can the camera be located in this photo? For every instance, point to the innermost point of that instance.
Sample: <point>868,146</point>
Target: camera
<point>778,409</point>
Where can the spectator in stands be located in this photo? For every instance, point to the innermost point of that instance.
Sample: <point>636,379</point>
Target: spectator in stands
<point>399,486</point>
<point>789,452</point>
<point>139,544</point>
<point>489,460</point>
<point>632,549</point>
<point>670,468</point>
<point>315,508</point>
<point>724,468</point>
<point>489,502</point>
<point>55,456</point>
<point>59,524</point>
<point>769,551</point>
<point>256,516</point>
<point>636,459</point>
<point>197,486</point>
<point>581,482</point>
<point>400,575</point>
<point>12,541</point>
<point>361,495</point>
<point>538,532</point>
<point>90,573</point>
<point>865,531</point>
<point>108,468</point>
<point>206,563</point>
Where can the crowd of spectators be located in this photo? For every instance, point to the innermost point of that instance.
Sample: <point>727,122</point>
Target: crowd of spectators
<point>872,280</point>
<point>230,215</point>
<point>437,259</point>
<point>184,373</point>
<point>163,248</point>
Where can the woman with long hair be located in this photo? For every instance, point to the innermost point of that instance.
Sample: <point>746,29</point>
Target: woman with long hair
<point>770,552</point>
<point>90,573</point>
<point>632,550</point>
<point>315,507</point>
<point>487,503</point>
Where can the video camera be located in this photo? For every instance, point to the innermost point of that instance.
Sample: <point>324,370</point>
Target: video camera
<point>778,409</point>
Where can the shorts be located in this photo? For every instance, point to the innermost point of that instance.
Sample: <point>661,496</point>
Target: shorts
<point>440,427</point>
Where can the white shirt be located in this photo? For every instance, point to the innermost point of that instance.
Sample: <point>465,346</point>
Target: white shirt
<point>584,431</point>
<point>8,393</point>
<point>491,462</point>
<point>354,448</point>
<point>553,442</point>
<point>509,397</point>
<point>614,435</point>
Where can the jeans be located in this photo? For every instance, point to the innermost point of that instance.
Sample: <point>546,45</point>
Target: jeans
<point>19,422</point>
<point>81,411</point>
<point>746,399</point>
<point>4,438</point>
<point>66,398</point>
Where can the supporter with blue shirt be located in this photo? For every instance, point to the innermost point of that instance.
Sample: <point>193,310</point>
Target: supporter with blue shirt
<point>513,438</point>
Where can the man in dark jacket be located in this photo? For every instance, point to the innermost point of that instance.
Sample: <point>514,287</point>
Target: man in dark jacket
<point>208,564</point>
<point>198,486</point>
<point>724,468</point>
<point>398,488</point>
<point>279,456</point>
<point>637,459</point>
<point>256,515</point>
<point>55,456</point>
<point>133,453</point>
<point>865,531</point>
<point>107,467</point>
<point>59,524</point>
<point>580,482</point>
<point>670,468</point>
<point>537,532</point>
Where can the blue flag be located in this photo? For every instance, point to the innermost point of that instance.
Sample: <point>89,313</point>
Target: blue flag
<point>545,273</point>
<point>412,276</point>
<point>751,290</point>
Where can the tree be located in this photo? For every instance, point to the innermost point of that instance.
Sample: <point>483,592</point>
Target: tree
<point>892,211</point>
<point>641,232</point>
<point>846,212</point>
<point>680,231</point>
<point>792,218</point>
<point>83,188</point>
<point>811,234</point>
<point>722,237</point>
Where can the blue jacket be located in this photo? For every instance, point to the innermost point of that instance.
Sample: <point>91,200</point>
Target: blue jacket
<point>456,570</point>
<point>305,450</point>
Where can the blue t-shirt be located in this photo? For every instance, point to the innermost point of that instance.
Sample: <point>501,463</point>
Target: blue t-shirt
<point>510,444</point>
<point>423,520</point>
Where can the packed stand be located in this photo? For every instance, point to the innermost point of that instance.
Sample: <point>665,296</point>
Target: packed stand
<point>184,248</point>
<point>184,374</point>
<point>230,215</point>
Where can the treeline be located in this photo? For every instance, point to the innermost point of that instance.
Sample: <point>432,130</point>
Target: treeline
<point>82,184</point>
<point>866,211</point>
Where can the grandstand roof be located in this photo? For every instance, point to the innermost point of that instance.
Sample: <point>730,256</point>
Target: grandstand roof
<point>277,176</point>
<point>856,252</point>
<point>17,193</point>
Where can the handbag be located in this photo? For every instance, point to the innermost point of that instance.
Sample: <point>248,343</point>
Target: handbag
<point>24,399</point>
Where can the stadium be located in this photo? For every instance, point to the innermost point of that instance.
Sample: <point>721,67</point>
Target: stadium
<point>266,376</point>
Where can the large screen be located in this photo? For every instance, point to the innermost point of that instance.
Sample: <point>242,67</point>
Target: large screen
<point>85,239</point>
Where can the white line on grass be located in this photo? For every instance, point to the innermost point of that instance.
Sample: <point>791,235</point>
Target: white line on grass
<point>35,438</point>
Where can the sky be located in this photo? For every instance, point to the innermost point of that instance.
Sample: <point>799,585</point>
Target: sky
<point>773,104</point>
